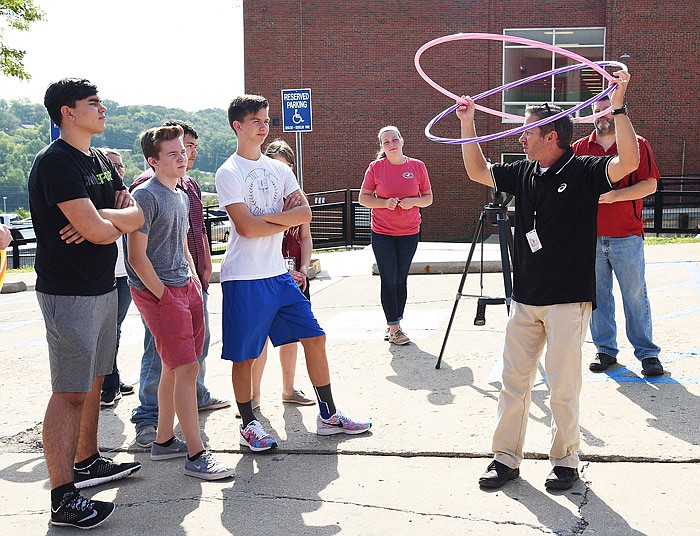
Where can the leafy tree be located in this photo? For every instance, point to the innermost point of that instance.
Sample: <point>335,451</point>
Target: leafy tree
<point>24,131</point>
<point>18,14</point>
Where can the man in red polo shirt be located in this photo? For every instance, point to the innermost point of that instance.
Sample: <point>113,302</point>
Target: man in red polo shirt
<point>620,249</point>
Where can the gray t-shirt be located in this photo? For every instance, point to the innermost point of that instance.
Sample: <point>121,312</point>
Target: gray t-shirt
<point>166,220</point>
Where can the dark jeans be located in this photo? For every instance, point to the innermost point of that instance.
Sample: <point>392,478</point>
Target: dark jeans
<point>394,255</point>
<point>123,302</point>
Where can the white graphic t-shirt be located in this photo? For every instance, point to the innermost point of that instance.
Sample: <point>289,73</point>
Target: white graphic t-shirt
<point>262,185</point>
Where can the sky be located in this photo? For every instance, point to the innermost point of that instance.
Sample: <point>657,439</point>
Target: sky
<point>184,54</point>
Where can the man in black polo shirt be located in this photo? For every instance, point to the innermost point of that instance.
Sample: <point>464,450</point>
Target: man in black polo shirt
<point>554,275</point>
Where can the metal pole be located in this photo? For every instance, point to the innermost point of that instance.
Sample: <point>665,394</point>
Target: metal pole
<point>4,204</point>
<point>300,174</point>
<point>683,164</point>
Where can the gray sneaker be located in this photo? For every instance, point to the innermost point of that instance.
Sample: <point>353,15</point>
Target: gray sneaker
<point>177,449</point>
<point>207,468</point>
<point>146,436</point>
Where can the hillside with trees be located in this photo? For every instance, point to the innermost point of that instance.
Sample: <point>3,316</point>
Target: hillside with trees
<point>24,131</point>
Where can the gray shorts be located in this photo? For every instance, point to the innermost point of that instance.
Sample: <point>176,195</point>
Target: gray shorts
<point>82,336</point>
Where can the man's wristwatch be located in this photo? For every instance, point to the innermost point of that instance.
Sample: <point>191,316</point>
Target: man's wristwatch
<point>622,110</point>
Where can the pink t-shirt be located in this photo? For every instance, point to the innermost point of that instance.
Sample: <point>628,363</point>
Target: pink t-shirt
<point>387,180</point>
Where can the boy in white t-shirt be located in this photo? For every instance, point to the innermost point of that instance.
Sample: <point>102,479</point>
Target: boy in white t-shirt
<point>262,199</point>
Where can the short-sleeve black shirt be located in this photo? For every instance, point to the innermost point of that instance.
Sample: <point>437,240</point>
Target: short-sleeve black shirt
<point>61,173</point>
<point>565,202</point>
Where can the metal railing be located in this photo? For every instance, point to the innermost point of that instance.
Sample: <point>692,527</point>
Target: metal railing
<point>21,252</point>
<point>340,221</point>
<point>674,208</point>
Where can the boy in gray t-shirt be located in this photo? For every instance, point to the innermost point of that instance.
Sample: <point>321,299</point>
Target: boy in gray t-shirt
<point>165,217</point>
<point>167,292</point>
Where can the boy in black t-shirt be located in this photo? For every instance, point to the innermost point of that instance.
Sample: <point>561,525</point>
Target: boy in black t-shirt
<point>79,208</point>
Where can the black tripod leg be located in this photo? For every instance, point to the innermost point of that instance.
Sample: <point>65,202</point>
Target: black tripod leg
<point>505,241</point>
<point>477,234</point>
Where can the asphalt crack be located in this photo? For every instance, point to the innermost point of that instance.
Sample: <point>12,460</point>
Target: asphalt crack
<point>26,441</point>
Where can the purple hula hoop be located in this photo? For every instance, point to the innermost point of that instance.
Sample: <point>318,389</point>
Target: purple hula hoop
<point>597,66</point>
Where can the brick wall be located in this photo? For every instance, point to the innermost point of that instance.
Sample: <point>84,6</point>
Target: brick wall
<point>358,60</point>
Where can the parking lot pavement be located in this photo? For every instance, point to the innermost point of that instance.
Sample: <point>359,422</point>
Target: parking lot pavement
<point>416,471</point>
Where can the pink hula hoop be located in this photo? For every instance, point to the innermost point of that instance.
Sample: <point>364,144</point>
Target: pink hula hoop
<point>584,62</point>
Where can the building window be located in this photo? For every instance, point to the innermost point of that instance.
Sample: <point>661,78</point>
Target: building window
<point>507,158</point>
<point>565,89</point>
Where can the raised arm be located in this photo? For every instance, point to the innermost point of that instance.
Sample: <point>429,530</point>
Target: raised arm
<point>627,159</point>
<point>478,169</point>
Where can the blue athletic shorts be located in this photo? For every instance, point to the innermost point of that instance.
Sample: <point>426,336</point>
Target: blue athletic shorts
<point>254,310</point>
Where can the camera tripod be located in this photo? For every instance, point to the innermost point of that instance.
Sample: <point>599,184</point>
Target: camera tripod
<point>492,213</point>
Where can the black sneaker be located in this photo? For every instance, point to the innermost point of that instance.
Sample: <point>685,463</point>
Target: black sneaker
<point>497,474</point>
<point>109,397</point>
<point>78,511</point>
<point>102,470</point>
<point>601,362</point>
<point>561,477</point>
<point>651,366</point>
<point>126,389</point>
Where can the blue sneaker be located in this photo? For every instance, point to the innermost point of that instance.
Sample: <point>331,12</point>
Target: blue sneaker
<point>256,438</point>
<point>177,449</point>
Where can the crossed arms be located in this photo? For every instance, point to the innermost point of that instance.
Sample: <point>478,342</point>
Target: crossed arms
<point>295,211</point>
<point>102,226</point>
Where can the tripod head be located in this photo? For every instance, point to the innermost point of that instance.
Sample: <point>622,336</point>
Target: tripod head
<point>500,199</point>
<point>499,205</point>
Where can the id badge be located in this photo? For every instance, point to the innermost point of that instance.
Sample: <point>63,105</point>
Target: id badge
<point>290,263</point>
<point>533,240</point>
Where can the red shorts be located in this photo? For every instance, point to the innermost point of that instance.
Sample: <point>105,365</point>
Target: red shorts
<point>176,322</point>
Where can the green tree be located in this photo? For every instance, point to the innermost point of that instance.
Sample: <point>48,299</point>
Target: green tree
<point>18,14</point>
<point>24,131</point>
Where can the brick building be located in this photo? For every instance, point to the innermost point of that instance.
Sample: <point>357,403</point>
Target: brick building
<point>357,58</point>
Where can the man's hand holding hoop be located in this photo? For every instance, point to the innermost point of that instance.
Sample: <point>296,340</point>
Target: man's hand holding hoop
<point>627,158</point>
<point>466,110</point>
<point>617,98</point>
<point>476,165</point>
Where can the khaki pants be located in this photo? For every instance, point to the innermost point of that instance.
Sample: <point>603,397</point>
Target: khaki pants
<point>562,327</point>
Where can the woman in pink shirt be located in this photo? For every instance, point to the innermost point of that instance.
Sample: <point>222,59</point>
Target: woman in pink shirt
<point>395,187</point>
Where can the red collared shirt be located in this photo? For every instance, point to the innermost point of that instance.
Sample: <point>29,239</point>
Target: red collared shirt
<point>623,218</point>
